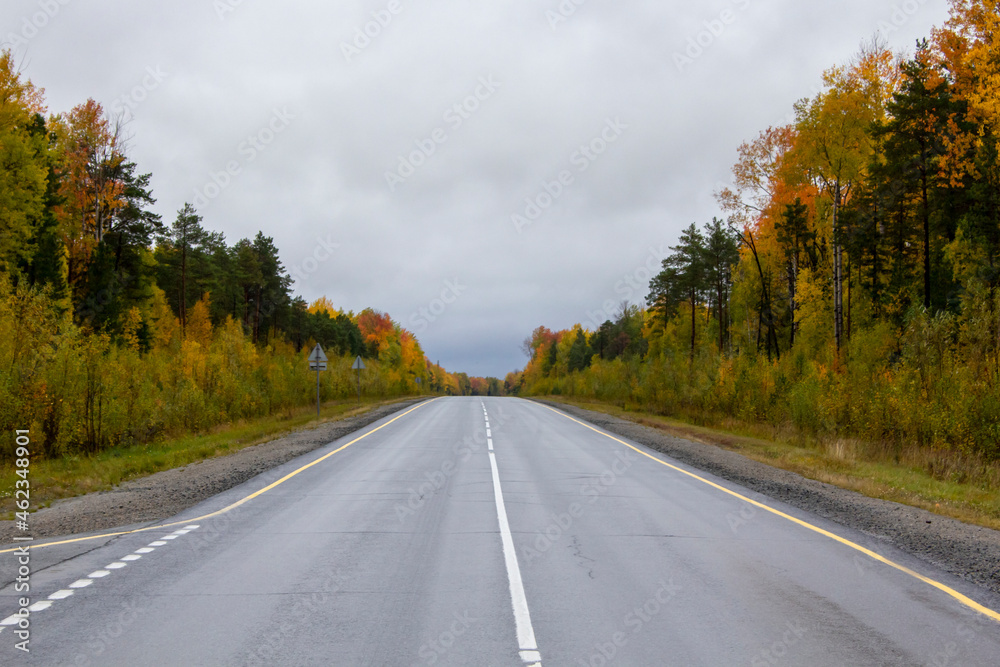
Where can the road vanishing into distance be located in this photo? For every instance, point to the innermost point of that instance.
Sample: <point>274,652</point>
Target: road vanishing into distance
<point>494,531</point>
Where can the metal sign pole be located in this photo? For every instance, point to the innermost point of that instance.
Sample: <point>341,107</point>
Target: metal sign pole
<point>358,365</point>
<point>317,362</point>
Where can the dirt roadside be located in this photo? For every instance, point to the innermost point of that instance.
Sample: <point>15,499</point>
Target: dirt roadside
<point>969,552</point>
<point>166,493</point>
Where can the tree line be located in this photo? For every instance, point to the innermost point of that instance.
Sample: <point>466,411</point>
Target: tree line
<point>852,286</point>
<point>120,327</point>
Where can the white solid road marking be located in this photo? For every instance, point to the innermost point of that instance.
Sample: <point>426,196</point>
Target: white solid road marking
<point>60,595</point>
<point>81,583</point>
<point>519,601</point>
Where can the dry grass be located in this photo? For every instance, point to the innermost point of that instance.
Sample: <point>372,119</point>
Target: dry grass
<point>77,475</point>
<point>945,482</point>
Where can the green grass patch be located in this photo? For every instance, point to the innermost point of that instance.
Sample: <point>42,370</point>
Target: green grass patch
<point>965,489</point>
<point>72,476</point>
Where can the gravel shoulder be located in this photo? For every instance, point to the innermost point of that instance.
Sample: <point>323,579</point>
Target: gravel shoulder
<point>164,494</point>
<point>969,552</point>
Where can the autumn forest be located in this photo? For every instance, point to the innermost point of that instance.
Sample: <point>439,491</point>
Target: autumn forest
<point>849,288</point>
<point>120,328</point>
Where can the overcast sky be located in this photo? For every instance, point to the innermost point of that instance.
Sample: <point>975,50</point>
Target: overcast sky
<point>386,145</point>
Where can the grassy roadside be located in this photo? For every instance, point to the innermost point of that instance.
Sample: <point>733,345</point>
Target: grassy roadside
<point>73,476</point>
<point>906,479</point>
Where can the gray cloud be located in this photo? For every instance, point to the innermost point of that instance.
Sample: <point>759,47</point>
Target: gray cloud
<point>348,121</point>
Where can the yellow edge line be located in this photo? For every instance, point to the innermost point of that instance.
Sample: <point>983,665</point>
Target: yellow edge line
<point>968,602</point>
<point>234,505</point>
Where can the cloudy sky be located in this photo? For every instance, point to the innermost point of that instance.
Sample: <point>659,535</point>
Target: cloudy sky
<point>473,169</point>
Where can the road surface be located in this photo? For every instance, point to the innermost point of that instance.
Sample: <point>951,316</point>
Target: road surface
<point>492,531</point>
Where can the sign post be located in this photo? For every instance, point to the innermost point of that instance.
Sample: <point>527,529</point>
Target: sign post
<point>358,365</point>
<point>317,362</point>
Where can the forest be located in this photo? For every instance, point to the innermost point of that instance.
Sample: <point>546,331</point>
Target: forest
<point>120,328</point>
<point>849,290</point>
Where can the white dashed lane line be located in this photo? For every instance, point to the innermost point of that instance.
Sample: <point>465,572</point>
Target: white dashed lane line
<point>67,592</point>
<point>527,644</point>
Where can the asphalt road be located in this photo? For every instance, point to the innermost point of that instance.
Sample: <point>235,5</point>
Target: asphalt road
<point>490,531</point>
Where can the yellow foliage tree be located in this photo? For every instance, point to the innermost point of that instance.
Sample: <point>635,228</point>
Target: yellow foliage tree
<point>165,326</point>
<point>323,304</point>
<point>130,329</point>
<point>199,325</point>
<point>23,167</point>
<point>971,40</point>
<point>813,314</point>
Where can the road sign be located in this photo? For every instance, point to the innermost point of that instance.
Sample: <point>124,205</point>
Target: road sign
<point>359,366</point>
<point>317,362</point>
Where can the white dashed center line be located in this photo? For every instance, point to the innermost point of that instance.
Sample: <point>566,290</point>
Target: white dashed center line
<point>527,643</point>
